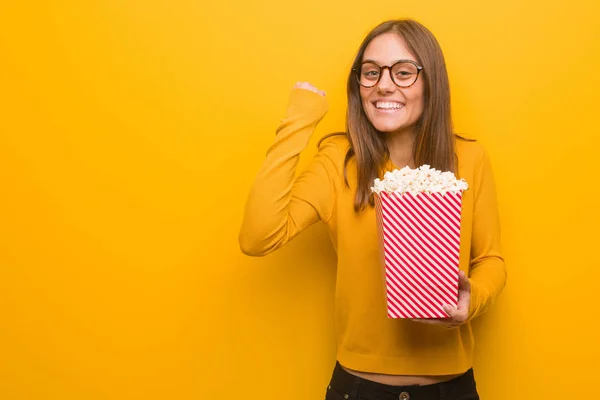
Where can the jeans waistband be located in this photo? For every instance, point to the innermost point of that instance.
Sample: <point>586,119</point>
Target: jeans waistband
<point>344,383</point>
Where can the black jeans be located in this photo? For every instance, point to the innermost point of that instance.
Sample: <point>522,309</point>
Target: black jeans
<point>345,386</point>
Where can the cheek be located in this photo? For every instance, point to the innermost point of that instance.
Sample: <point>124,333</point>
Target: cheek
<point>418,104</point>
<point>364,97</point>
<point>416,99</point>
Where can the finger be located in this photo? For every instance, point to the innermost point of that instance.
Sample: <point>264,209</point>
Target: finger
<point>457,315</point>
<point>308,86</point>
<point>451,311</point>
<point>464,299</point>
<point>464,296</point>
<point>302,85</point>
<point>463,306</point>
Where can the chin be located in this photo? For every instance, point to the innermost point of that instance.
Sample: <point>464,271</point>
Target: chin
<point>387,124</point>
<point>389,128</point>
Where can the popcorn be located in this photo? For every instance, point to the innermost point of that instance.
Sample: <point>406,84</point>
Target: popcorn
<point>419,222</point>
<point>421,180</point>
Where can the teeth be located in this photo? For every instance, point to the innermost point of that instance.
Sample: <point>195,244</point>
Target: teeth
<point>388,105</point>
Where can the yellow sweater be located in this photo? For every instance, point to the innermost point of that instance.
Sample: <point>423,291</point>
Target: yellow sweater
<point>280,206</point>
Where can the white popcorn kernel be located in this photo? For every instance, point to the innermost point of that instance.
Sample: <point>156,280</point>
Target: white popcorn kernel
<point>421,180</point>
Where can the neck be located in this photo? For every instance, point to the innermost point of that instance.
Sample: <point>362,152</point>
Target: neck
<point>400,145</point>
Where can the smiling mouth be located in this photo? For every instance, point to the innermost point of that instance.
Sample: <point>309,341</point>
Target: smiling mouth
<point>388,106</point>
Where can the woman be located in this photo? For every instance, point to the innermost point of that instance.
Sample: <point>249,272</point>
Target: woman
<point>398,115</point>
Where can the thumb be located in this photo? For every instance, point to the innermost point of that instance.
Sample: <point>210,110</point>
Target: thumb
<point>463,282</point>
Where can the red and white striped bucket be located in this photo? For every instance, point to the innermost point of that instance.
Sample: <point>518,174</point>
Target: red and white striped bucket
<point>420,239</point>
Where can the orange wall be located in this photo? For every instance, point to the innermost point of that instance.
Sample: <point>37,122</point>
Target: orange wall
<point>130,133</point>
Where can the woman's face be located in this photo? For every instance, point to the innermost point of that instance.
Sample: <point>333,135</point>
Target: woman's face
<point>391,108</point>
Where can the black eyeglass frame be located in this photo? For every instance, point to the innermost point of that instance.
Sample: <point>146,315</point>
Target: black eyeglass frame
<point>389,67</point>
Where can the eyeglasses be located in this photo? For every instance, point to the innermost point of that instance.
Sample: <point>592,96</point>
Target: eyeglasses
<point>404,73</point>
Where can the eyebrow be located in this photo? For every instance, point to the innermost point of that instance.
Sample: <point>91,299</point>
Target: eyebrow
<point>395,62</point>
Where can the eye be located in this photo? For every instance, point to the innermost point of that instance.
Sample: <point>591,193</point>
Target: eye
<point>370,71</point>
<point>405,71</point>
<point>404,76</point>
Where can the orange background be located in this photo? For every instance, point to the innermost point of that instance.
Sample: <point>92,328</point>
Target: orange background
<point>130,133</point>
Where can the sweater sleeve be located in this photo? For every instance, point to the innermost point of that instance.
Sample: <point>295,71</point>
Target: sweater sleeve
<point>279,205</point>
<point>487,273</point>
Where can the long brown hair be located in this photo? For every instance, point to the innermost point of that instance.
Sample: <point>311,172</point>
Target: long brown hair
<point>434,141</point>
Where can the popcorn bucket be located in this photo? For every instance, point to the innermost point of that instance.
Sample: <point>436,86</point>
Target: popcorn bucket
<point>420,239</point>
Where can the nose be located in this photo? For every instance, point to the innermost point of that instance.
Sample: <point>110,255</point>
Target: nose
<point>385,84</point>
